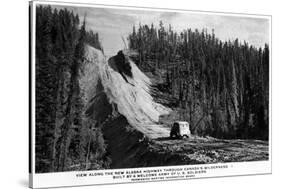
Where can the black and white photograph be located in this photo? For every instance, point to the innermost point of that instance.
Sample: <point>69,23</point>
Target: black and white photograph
<point>125,87</point>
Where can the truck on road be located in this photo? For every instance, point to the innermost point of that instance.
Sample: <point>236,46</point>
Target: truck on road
<point>179,130</point>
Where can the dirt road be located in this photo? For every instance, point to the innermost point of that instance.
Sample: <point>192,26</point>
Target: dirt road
<point>211,150</point>
<point>128,148</point>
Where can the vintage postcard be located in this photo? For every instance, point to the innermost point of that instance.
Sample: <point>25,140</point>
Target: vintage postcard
<point>125,94</point>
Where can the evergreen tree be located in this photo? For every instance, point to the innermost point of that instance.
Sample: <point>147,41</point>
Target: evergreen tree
<point>222,87</point>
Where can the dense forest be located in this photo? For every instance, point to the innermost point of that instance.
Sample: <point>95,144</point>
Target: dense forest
<point>220,87</point>
<point>64,137</point>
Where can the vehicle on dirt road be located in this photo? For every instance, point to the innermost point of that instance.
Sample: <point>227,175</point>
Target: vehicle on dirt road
<point>179,130</point>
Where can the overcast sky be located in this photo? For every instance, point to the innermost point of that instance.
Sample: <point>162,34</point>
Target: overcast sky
<point>112,24</point>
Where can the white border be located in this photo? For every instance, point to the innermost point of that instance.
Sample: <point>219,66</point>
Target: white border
<point>32,89</point>
<point>50,2</point>
<point>60,179</point>
<point>63,179</point>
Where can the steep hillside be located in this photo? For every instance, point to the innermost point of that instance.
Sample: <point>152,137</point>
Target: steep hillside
<point>130,121</point>
<point>132,101</point>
